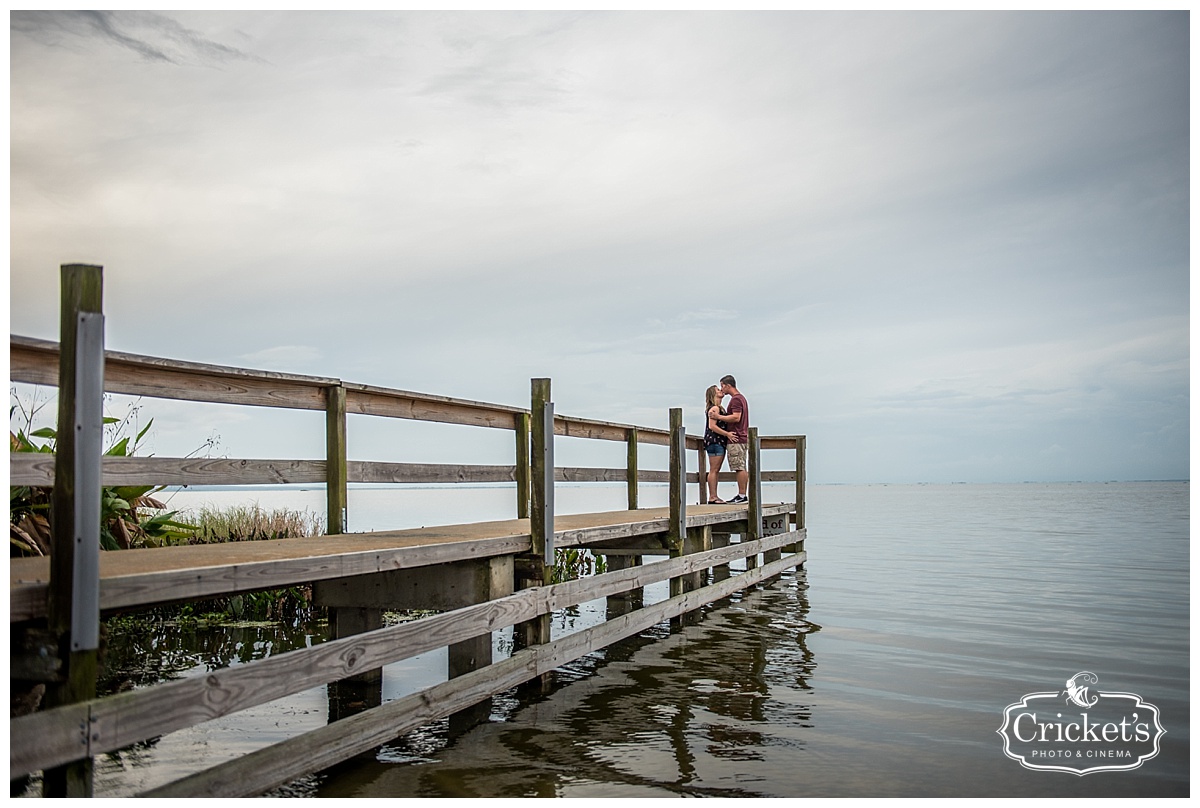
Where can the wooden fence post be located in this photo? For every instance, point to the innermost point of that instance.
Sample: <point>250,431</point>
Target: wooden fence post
<point>754,527</point>
<point>491,578</point>
<point>82,293</point>
<point>360,691</point>
<point>521,422</point>
<point>677,481</point>
<point>679,542</point>
<point>756,501</point>
<point>542,464</point>
<point>336,485</point>
<point>631,467</point>
<point>801,478</point>
<point>536,567</point>
<point>801,472</point>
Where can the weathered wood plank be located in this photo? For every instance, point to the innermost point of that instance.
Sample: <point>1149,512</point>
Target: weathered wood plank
<point>377,472</point>
<point>779,441</point>
<point>57,736</point>
<point>575,427</point>
<point>631,552</point>
<point>369,400</point>
<point>564,474</point>
<point>34,361</point>
<point>37,469</point>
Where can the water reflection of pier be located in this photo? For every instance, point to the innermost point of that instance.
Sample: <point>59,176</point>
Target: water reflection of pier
<point>481,577</point>
<point>689,713</point>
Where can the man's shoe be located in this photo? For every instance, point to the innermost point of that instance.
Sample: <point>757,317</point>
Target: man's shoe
<point>717,502</point>
<point>740,498</point>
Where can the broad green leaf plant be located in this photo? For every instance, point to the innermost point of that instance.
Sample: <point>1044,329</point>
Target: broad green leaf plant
<point>129,515</point>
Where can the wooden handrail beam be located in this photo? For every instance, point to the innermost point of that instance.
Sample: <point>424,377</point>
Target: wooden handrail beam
<point>36,469</point>
<point>34,361</point>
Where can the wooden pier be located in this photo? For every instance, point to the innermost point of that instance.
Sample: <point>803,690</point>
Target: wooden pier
<point>479,578</point>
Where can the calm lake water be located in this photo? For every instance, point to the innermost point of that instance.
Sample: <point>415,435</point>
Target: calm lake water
<point>882,669</point>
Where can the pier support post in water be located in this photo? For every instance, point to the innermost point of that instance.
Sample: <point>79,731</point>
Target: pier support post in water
<point>73,609</point>
<point>624,602</point>
<point>534,568</point>
<point>696,540</point>
<point>364,690</point>
<point>720,572</point>
<point>359,603</point>
<point>489,579</point>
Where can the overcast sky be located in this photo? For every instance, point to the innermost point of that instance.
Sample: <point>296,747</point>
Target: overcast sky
<point>945,246</point>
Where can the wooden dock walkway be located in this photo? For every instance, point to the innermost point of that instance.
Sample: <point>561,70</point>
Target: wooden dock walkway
<point>477,578</point>
<point>131,579</point>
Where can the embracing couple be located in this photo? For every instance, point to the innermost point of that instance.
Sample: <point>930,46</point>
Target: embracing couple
<point>727,433</point>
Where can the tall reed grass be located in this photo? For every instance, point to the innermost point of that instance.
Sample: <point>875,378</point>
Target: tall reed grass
<point>250,523</point>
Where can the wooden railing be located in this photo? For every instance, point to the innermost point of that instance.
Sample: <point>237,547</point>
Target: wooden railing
<point>52,738</point>
<point>514,590</point>
<point>35,361</point>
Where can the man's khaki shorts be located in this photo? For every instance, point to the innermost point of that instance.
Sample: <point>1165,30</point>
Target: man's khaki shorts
<point>736,453</point>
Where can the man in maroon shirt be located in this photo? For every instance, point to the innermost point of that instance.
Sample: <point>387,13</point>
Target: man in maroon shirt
<point>739,425</point>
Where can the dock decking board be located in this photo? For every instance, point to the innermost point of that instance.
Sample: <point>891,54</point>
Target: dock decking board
<point>132,578</point>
